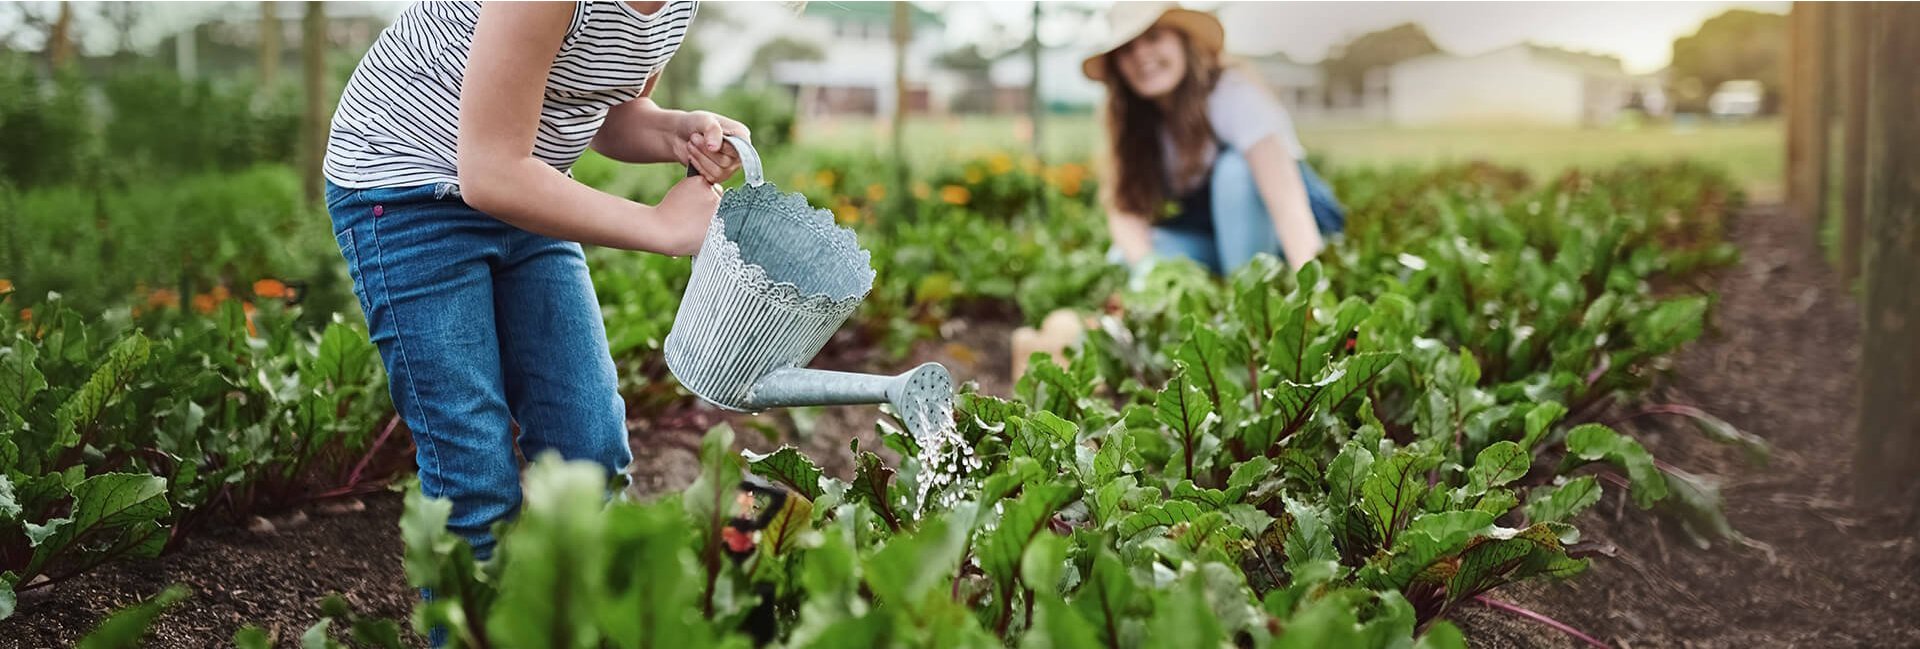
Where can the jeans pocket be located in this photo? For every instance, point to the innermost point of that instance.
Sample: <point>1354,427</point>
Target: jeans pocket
<point>352,257</point>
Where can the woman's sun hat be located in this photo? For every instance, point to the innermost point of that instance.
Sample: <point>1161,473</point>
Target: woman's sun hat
<point>1128,20</point>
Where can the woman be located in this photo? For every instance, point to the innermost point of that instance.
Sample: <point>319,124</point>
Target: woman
<point>1202,161</point>
<point>448,185</point>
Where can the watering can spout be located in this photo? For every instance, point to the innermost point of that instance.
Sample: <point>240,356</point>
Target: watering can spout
<point>799,386</point>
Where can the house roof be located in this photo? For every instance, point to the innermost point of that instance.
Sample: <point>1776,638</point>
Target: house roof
<point>1584,62</point>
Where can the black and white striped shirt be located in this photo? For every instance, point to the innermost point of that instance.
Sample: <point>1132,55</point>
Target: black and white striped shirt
<point>398,118</point>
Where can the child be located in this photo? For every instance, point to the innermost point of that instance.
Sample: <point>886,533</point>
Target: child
<point>448,186</point>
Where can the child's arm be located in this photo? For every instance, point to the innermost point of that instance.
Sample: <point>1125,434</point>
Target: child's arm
<point>513,47</point>
<point>640,131</point>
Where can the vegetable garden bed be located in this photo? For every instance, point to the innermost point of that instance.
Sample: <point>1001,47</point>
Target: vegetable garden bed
<point>1353,458</point>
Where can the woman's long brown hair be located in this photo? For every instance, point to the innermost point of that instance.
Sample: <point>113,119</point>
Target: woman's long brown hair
<point>1134,179</point>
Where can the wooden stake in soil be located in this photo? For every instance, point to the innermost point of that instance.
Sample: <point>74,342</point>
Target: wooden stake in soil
<point>1852,30</point>
<point>1889,453</point>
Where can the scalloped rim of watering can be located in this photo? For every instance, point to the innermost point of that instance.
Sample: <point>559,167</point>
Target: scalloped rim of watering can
<point>795,205</point>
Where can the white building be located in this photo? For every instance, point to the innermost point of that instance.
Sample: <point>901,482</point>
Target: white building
<point>1519,84</point>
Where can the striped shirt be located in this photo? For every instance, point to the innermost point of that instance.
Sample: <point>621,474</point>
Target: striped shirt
<point>398,119</point>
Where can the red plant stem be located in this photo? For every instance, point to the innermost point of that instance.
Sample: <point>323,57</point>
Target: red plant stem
<point>353,479</point>
<point>1562,627</point>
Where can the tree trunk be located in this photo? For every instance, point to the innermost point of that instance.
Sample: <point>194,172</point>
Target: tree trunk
<point>1889,452</point>
<point>1852,29</point>
<point>269,45</point>
<point>902,35</point>
<point>313,54</point>
<point>1036,108</point>
<point>60,40</point>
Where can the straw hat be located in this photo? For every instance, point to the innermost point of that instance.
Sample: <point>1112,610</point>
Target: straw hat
<point>1128,20</point>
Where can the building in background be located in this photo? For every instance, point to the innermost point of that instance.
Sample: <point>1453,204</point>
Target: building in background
<point>854,74</point>
<point>1519,84</point>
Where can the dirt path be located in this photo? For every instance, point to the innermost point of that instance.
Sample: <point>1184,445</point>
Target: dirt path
<point>1778,362</point>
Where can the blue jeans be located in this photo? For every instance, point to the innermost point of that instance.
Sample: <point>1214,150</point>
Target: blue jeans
<point>1242,227</point>
<point>480,325</point>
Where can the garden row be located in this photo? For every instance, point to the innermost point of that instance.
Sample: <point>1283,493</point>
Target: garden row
<point>1334,458</point>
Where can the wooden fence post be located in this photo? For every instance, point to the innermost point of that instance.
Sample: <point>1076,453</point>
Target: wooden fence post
<point>1889,453</point>
<point>1807,111</point>
<point>313,127</point>
<point>1853,28</point>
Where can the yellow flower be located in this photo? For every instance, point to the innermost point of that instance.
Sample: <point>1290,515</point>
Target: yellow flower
<point>6,286</point>
<point>825,178</point>
<point>973,175</point>
<point>845,213</point>
<point>955,195</point>
<point>876,192</point>
<point>921,190</point>
<point>1029,164</point>
<point>1000,163</point>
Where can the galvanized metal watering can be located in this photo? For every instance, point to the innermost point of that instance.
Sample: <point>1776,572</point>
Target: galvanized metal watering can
<point>771,283</point>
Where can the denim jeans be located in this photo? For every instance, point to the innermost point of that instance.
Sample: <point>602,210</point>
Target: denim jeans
<point>1242,227</point>
<point>480,325</point>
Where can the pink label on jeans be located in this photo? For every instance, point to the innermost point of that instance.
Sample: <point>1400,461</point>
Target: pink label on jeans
<point>379,210</point>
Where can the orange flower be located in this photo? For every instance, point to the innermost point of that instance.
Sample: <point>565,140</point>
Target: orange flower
<point>204,303</point>
<point>921,190</point>
<point>876,192</point>
<point>6,286</point>
<point>161,298</point>
<point>271,289</point>
<point>220,293</point>
<point>247,308</point>
<point>26,315</point>
<point>955,195</point>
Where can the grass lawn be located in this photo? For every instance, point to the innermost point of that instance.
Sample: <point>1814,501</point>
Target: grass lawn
<point>1753,152</point>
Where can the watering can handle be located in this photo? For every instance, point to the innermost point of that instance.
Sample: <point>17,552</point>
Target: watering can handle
<point>749,161</point>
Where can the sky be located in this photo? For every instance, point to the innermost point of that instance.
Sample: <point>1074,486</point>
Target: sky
<point>1641,34</point>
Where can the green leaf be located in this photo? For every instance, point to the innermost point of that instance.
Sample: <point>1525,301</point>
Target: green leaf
<point>873,485</point>
<point>1021,521</point>
<point>1287,348</point>
<point>1539,420</point>
<point>1247,475</point>
<point>1184,409</point>
<point>1667,326</point>
<point>87,403</point>
<point>1497,465</point>
<point>1562,501</point>
<point>1308,538</point>
<point>1182,613</point>
<point>790,468</point>
<point>120,509</point>
<point>1215,364</point>
<point>1112,602</point>
<point>1347,474</point>
<point>1442,635</point>
<point>655,584</point>
<point>252,637</point>
<point>20,380</point>
<point>1696,501</point>
<point>1594,442</point>
<point>1043,562</point>
<point>317,636</point>
<point>910,568</point>
<point>1162,515</point>
<point>7,598</point>
<point>9,506</point>
<point>546,601</point>
<point>124,629</point>
<point>1208,498</point>
<point>1392,492</point>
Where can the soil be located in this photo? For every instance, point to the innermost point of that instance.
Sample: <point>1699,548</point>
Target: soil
<point>1817,570</point>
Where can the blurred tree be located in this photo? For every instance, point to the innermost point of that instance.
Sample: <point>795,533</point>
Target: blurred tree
<point>760,69</point>
<point>680,80</point>
<point>313,52</point>
<point>1347,64</point>
<point>269,45</point>
<point>60,42</point>
<point>1738,44</point>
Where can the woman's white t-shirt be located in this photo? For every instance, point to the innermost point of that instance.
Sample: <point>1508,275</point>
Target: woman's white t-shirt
<point>1242,113</point>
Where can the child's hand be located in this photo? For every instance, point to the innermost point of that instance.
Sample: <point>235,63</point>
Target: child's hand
<point>684,214</point>
<point>702,144</point>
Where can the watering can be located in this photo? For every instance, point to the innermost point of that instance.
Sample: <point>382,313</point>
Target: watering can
<point>773,280</point>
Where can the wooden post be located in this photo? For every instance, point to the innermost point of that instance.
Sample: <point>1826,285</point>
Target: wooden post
<point>60,40</point>
<point>1889,453</point>
<point>1806,112</point>
<point>1853,27</point>
<point>1035,107</point>
<point>313,54</point>
<point>269,45</point>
